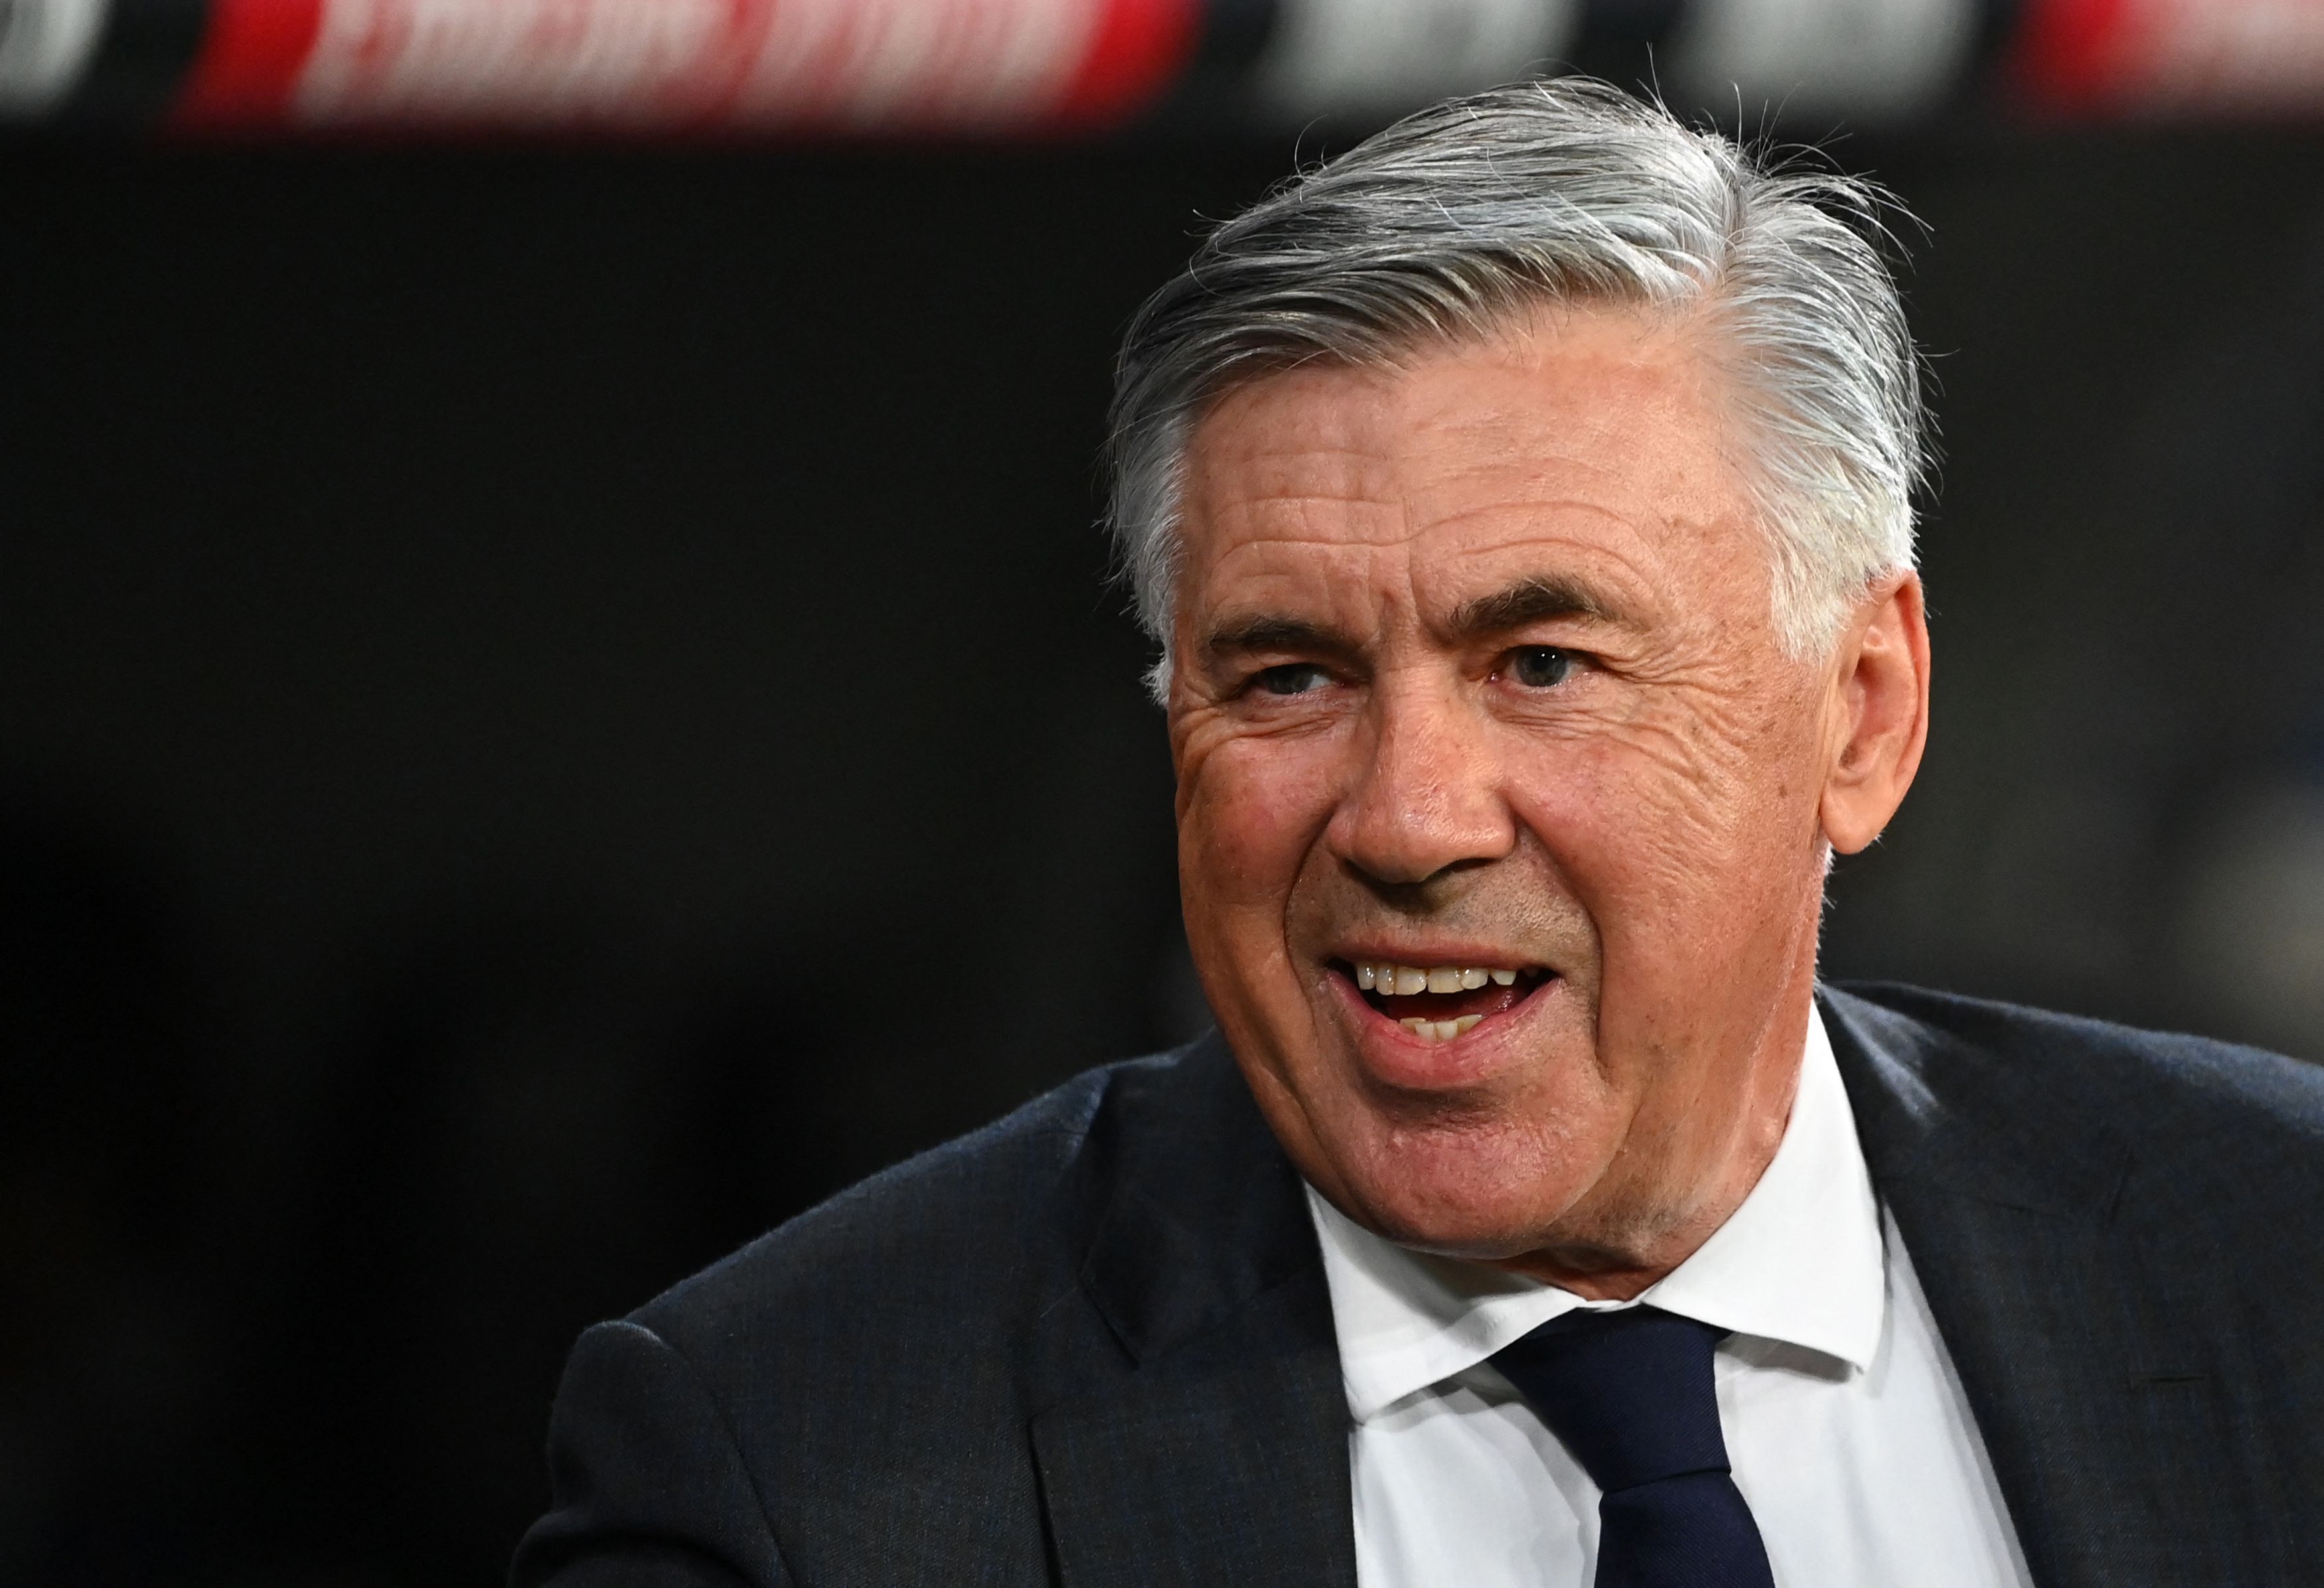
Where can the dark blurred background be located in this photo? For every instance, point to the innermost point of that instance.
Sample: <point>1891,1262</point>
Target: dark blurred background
<point>558,703</point>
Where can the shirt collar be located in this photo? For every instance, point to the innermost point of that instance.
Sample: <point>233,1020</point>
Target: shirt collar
<point>1800,1262</point>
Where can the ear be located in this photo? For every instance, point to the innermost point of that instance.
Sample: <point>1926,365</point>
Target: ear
<point>1877,713</point>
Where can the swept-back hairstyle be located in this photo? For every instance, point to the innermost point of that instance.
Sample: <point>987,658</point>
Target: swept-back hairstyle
<point>1460,220</point>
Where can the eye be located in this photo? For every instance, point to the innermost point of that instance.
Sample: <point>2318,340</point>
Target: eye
<point>1291,678</point>
<point>1538,667</point>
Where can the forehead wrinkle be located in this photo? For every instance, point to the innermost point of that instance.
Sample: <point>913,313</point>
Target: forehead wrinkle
<point>1303,457</point>
<point>1531,440</point>
<point>1243,549</point>
<point>1259,521</point>
<point>1261,505</point>
<point>1554,474</point>
<point>1534,511</point>
<point>1251,482</point>
<point>1287,554</point>
<point>1623,594</point>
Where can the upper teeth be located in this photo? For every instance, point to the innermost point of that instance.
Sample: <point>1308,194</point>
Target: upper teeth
<point>1402,981</point>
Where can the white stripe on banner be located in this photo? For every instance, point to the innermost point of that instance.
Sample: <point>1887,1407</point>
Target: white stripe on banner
<point>45,45</point>
<point>812,63</point>
<point>913,62</point>
<point>1874,59</point>
<point>1379,56</point>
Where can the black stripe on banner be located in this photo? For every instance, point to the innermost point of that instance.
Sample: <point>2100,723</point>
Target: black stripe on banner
<point>142,58</point>
<point>1213,93</point>
<point>1620,40</point>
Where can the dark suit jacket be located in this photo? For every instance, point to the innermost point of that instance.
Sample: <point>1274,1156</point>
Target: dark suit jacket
<point>1092,1345</point>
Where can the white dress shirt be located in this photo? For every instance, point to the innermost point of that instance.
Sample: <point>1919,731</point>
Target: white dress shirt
<point>1844,1419</point>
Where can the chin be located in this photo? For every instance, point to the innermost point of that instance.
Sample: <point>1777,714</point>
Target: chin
<point>1482,1191</point>
<point>1483,1171</point>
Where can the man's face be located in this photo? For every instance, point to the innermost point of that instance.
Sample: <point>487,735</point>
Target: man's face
<point>1475,670</point>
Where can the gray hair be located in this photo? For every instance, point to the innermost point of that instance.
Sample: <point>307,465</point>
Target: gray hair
<point>1456,221</point>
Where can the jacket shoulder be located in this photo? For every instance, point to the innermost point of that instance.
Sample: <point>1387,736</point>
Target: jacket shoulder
<point>2166,1079</point>
<point>992,1220</point>
<point>853,1398</point>
<point>893,1341</point>
<point>2203,1145</point>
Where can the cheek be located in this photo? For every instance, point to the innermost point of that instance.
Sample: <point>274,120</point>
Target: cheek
<point>1687,850</point>
<point>1249,811</point>
<point>1654,837</point>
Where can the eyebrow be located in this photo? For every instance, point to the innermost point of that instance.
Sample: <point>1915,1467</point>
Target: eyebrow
<point>1537,599</point>
<point>1268,632</point>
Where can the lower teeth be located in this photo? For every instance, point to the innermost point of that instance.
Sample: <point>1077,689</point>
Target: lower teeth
<point>1439,1031</point>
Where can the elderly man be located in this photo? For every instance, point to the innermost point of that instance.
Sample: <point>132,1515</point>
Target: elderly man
<point>1522,503</point>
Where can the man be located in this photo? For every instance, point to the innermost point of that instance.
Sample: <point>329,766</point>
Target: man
<point>1522,502</point>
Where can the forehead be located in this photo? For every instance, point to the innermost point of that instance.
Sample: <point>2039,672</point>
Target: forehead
<point>1593,445</point>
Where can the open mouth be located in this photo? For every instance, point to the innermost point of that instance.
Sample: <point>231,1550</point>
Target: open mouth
<point>1438,1003</point>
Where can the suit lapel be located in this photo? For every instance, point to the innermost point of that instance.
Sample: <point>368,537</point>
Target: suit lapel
<point>1225,1462</point>
<point>2093,1396</point>
<point>1214,1448</point>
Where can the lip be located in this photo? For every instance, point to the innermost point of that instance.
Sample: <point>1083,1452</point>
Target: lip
<point>1395,1058</point>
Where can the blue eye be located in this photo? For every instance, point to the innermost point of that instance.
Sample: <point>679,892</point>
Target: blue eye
<point>1539,666</point>
<point>1292,678</point>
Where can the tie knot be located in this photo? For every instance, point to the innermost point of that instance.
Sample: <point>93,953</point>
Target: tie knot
<point>1628,1392</point>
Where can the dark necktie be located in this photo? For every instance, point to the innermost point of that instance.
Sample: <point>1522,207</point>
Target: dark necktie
<point>1629,1393</point>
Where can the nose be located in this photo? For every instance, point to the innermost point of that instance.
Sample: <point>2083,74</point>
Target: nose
<point>1429,798</point>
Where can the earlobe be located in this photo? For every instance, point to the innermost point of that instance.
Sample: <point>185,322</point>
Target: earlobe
<point>1879,711</point>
